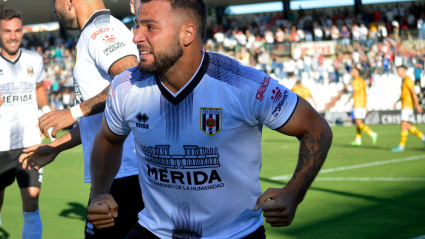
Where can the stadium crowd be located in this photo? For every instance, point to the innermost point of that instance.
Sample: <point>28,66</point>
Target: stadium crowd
<point>370,40</point>
<point>58,62</point>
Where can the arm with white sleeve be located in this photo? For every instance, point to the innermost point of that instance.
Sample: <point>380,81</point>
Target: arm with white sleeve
<point>105,159</point>
<point>114,64</point>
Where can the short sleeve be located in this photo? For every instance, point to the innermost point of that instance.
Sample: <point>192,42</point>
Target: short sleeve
<point>409,84</point>
<point>271,104</point>
<point>114,112</point>
<point>41,75</point>
<point>110,46</point>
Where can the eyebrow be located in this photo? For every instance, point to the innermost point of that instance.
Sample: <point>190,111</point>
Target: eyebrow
<point>148,21</point>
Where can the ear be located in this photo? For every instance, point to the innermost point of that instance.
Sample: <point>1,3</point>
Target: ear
<point>189,34</point>
<point>132,8</point>
<point>70,4</point>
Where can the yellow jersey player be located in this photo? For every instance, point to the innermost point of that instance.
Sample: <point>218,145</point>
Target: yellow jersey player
<point>408,98</point>
<point>303,92</point>
<point>359,112</point>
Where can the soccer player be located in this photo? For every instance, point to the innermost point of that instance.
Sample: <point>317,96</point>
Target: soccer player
<point>304,92</point>
<point>197,119</point>
<point>408,99</point>
<point>104,50</point>
<point>359,112</point>
<point>22,93</point>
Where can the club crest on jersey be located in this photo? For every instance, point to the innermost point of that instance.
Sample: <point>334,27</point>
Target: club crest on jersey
<point>30,70</point>
<point>211,120</point>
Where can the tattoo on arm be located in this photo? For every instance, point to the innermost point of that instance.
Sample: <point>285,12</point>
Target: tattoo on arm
<point>96,104</point>
<point>312,155</point>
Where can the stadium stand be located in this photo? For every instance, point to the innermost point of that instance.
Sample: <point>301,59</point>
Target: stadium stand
<point>376,40</point>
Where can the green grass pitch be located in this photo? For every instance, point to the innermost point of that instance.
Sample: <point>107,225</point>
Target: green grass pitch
<point>368,201</point>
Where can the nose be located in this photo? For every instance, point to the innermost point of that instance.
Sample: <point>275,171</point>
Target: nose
<point>139,36</point>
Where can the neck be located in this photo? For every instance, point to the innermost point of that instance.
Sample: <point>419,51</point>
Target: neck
<point>8,56</point>
<point>85,11</point>
<point>184,69</point>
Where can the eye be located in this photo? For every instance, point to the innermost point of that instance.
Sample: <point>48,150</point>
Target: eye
<point>150,27</point>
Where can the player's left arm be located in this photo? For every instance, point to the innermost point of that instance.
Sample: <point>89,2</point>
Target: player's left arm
<point>279,204</point>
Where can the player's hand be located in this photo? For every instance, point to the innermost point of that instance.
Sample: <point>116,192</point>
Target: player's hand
<point>419,109</point>
<point>58,119</point>
<point>102,211</point>
<point>279,211</point>
<point>395,105</point>
<point>37,156</point>
<point>1,99</point>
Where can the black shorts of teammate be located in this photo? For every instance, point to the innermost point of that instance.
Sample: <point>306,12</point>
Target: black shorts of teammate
<point>126,192</point>
<point>10,168</point>
<point>139,232</point>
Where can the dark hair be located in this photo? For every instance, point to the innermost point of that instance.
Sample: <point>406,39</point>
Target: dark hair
<point>10,13</point>
<point>402,66</point>
<point>197,7</point>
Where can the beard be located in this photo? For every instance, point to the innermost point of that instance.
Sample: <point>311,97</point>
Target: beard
<point>163,60</point>
<point>66,22</point>
<point>7,50</point>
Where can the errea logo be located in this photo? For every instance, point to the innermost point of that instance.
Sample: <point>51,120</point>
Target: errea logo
<point>142,119</point>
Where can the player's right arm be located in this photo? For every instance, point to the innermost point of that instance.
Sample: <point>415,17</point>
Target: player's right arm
<point>106,157</point>
<point>105,162</point>
<point>38,156</point>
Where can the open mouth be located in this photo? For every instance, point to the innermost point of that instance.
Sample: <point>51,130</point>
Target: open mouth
<point>145,53</point>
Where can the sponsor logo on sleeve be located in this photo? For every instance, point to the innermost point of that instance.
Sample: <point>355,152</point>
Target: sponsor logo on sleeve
<point>112,48</point>
<point>263,87</point>
<point>108,39</point>
<point>279,106</point>
<point>98,32</point>
<point>277,95</point>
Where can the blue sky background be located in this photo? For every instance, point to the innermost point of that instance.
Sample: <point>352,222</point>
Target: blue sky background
<point>295,5</point>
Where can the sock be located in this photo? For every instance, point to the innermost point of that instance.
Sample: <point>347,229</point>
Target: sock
<point>403,138</point>
<point>417,132</point>
<point>366,129</point>
<point>33,227</point>
<point>358,135</point>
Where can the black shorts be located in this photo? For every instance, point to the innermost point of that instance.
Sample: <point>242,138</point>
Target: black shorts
<point>10,168</point>
<point>126,192</point>
<point>139,232</point>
